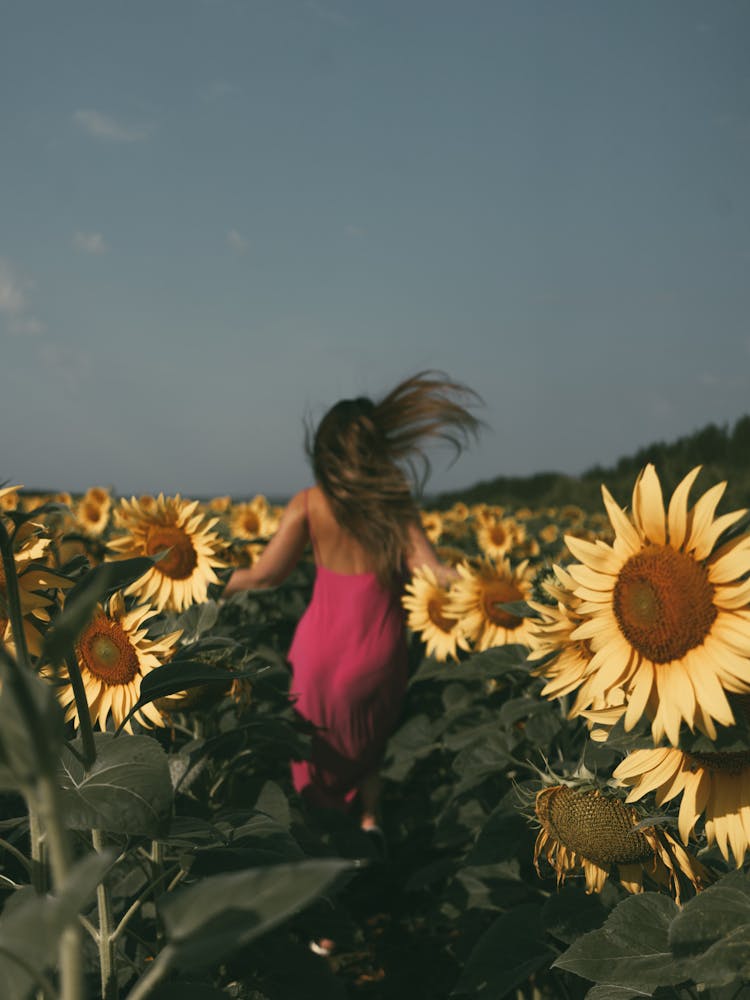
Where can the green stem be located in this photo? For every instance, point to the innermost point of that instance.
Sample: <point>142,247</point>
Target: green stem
<point>18,855</point>
<point>47,803</point>
<point>82,707</point>
<point>38,867</point>
<point>158,969</point>
<point>107,961</point>
<point>14,598</point>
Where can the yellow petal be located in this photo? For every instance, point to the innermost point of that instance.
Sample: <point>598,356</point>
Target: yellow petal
<point>648,506</point>
<point>677,513</point>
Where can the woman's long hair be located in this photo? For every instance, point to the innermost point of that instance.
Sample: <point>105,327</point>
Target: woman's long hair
<point>359,451</point>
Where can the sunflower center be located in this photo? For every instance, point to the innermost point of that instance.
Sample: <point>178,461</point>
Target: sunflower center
<point>179,563</point>
<point>498,534</point>
<point>105,650</point>
<point>250,523</point>
<point>598,828</point>
<point>663,603</point>
<point>494,594</point>
<point>435,612</point>
<point>728,762</point>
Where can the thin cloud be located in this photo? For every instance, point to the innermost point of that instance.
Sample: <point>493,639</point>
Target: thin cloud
<point>14,303</point>
<point>327,13</point>
<point>89,242</point>
<point>25,326</point>
<point>106,127</point>
<point>12,295</point>
<point>237,241</point>
<point>216,90</point>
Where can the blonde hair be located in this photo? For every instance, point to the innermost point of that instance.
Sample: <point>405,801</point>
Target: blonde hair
<point>360,447</point>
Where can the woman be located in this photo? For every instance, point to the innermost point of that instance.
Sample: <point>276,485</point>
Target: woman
<point>349,651</point>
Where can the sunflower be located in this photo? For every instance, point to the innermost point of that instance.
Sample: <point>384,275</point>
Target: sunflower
<point>432,524</point>
<point>34,584</point>
<point>476,601</point>
<point>497,536</point>
<point>253,519</point>
<point>565,660</point>
<point>665,609</point>
<point>714,784</point>
<point>91,517</point>
<point>181,577</point>
<point>426,601</point>
<point>219,505</point>
<point>598,834</point>
<point>9,498</point>
<point>114,656</point>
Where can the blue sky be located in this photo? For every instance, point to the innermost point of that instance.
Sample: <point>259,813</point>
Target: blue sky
<point>219,216</point>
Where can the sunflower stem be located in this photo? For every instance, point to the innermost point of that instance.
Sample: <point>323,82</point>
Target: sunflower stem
<point>38,869</point>
<point>42,794</point>
<point>106,942</point>
<point>15,613</point>
<point>82,707</point>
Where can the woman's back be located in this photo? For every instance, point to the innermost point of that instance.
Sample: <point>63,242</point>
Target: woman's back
<point>335,548</point>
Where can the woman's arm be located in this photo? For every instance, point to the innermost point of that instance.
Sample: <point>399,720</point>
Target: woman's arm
<point>281,554</point>
<point>422,553</point>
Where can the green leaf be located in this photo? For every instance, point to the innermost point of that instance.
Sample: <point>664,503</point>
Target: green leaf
<point>631,949</point>
<point>83,598</point>
<point>181,675</point>
<point>614,993</point>
<point>712,933</point>
<point>215,917</point>
<point>571,912</point>
<point>509,951</point>
<point>31,925</point>
<point>197,619</point>
<point>20,744</point>
<point>126,790</point>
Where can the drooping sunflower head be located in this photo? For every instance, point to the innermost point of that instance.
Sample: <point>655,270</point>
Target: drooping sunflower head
<point>665,609</point>
<point>586,831</point>
<point>114,654</point>
<point>426,602</point>
<point>187,546</point>
<point>478,601</point>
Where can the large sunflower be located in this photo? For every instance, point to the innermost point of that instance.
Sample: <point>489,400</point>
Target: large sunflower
<point>114,656</point>
<point>181,577</point>
<point>714,784</point>
<point>598,835</point>
<point>426,601</point>
<point>476,601</point>
<point>665,609</point>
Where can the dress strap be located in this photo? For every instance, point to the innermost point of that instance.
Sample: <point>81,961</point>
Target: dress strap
<point>309,524</point>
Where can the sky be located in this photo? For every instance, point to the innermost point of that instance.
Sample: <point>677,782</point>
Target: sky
<point>218,217</point>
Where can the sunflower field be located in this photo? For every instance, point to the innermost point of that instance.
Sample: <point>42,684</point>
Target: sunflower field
<point>566,797</point>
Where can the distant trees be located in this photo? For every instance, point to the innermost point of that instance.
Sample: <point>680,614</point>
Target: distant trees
<point>723,452</point>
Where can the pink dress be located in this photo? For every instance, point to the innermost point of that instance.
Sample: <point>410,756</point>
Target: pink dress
<point>349,676</point>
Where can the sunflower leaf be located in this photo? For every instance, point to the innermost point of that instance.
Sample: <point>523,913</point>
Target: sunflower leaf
<point>712,932</point>
<point>127,789</point>
<point>31,925</point>
<point>631,950</point>
<point>509,951</point>
<point>83,598</point>
<point>217,916</point>
<point>181,675</point>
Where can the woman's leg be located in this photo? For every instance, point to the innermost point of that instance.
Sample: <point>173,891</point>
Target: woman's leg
<point>369,799</point>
